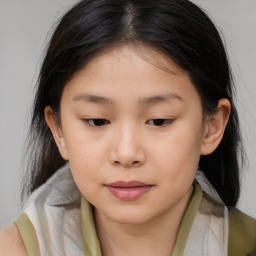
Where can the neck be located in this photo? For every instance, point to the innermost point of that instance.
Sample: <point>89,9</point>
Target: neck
<point>154,237</point>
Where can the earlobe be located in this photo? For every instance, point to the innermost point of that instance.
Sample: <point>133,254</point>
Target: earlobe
<point>215,126</point>
<point>56,131</point>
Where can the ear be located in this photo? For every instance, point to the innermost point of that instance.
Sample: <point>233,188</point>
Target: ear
<point>214,127</point>
<point>56,130</point>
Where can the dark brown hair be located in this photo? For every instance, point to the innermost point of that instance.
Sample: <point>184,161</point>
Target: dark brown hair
<point>177,28</point>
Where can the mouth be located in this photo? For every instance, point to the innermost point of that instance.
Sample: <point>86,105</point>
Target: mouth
<point>128,191</point>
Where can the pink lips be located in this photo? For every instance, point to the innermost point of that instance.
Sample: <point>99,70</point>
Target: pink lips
<point>128,190</point>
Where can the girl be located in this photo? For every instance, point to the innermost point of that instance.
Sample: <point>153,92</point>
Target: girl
<point>135,142</point>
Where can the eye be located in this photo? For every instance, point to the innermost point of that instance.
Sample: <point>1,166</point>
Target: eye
<point>97,121</point>
<point>160,122</point>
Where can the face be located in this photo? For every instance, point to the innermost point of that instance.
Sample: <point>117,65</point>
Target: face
<point>133,134</point>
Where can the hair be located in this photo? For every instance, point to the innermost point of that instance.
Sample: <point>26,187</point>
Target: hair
<point>176,28</point>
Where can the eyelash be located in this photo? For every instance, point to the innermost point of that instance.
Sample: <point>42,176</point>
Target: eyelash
<point>103,122</point>
<point>166,121</point>
<point>99,120</point>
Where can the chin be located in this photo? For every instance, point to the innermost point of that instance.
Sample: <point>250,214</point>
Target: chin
<point>129,217</point>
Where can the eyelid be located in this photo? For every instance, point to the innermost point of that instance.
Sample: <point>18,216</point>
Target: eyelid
<point>103,122</point>
<point>168,121</point>
<point>88,121</point>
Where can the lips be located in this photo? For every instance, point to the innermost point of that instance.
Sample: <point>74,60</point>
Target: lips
<point>128,191</point>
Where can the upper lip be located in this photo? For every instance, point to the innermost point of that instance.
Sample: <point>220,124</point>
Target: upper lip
<point>127,184</point>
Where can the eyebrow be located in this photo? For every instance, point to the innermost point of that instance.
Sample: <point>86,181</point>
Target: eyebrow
<point>93,99</point>
<point>89,98</point>
<point>159,98</point>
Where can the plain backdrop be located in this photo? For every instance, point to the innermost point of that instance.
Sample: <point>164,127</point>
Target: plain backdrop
<point>24,26</point>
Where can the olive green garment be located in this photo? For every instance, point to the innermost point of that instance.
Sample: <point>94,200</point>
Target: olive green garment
<point>242,234</point>
<point>242,230</point>
<point>28,235</point>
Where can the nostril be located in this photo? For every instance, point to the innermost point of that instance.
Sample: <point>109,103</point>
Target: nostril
<point>116,163</point>
<point>134,163</point>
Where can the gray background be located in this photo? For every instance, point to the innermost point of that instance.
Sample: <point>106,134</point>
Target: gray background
<point>24,26</point>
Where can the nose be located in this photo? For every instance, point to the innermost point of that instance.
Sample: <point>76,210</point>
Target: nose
<point>127,149</point>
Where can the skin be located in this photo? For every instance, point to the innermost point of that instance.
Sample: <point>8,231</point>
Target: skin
<point>130,144</point>
<point>11,242</point>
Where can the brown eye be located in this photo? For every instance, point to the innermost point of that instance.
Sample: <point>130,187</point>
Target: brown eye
<point>160,122</point>
<point>97,122</point>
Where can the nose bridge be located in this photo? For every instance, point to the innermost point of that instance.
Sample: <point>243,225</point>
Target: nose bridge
<point>128,148</point>
<point>126,143</point>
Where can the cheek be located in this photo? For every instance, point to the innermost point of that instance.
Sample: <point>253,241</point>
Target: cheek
<point>85,163</point>
<point>179,154</point>
<point>82,146</point>
<point>85,158</point>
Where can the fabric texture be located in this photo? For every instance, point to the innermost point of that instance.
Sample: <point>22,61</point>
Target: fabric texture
<point>242,234</point>
<point>54,210</point>
<point>209,233</point>
<point>60,222</point>
<point>28,234</point>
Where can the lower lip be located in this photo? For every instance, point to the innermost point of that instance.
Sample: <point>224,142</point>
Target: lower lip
<point>127,194</point>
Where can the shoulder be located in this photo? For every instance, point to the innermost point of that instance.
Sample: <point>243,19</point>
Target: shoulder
<point>242,233</point>
<point>242,223</point>
<point>11,242</point>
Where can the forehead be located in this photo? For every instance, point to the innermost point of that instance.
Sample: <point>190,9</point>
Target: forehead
<point>139,57</point>
<point>131,72</point>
